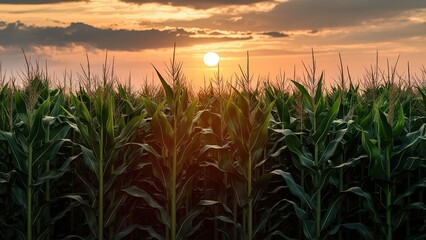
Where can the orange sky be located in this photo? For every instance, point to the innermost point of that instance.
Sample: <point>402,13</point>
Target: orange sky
<point>278,34</point>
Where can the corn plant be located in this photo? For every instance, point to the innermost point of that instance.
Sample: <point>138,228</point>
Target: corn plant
<point>174,141</point>
<point>393,152</point>
<point>35,140</point>
<point>247,129</point>
<point>318,159</point>
<point>105,162</point>
<point>6,165</point>
<point>104,150</point>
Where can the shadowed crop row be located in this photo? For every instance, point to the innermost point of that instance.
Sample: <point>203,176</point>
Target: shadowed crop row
<point>232,163</point>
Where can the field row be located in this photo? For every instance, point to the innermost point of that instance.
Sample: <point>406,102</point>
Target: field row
<point>237,164</point>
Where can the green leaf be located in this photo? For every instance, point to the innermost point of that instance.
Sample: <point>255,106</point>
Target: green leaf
<point>89,187</point>
<point>259,134</point>
<point>300,213</point>
<point>295,188</point>
<point>384,129</point>
<point>420,184</point>
<point>21,108</point>
<point>187,227</point>
<point>47,152</point>
<point>237,123</point>
<point>162,129</point>
<point>37,132</point>
<point>19,196</point>
<point>129,130</point>
<point>398,126</point>
<point>294,145</point>
<point>112,211</point>
<point>19,156</point>
<point>168,90</point>
<point>109,124</point>
<point>367,202</point>
<point>361,229</point>
<point>332,146</point>
<point>185,124</point>
<point>55,174</point>
<point>283,112</point>
<point>331,212</point>
<point>309,229</point>
<point>59,131</point>
<point>318,93</point>
<point>376,167</point>
<point>150,106</point>
<point>137,192</point>
<point>130,228</point>
<point>281,234</point>
<point>186,185</point>
<point>213,203</point>
<point>5,176</point>
<point>305,94</point>
<point>90,160</point>
<point>324,124</point>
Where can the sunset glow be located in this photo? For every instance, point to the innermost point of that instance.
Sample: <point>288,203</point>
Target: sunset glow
<point>278,34</point>
<point>211,59</point>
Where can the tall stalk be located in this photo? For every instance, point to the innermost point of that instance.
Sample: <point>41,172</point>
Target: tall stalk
<point>101,184</point>
<point>388,192</point>
<point>174,176</point>
<point>250,200</point>
<point>29,193</point>
<point>30,104</point>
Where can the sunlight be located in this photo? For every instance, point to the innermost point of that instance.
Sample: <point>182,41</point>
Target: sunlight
<point>211,59</point>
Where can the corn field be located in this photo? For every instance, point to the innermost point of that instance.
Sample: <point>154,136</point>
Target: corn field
<point>301,162</point>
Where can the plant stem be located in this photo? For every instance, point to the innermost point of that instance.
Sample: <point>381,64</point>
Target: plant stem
<point>388,213</point>
<point>48,181</point>
<point>101,188</point>
<point>29,192</point>
<point>302,183</point>
<point>250,202</point>
<point>174,180</point>
<point>318,199</point>
<point>339,216</point>
<point>234,211</point>
<point>388,197</point>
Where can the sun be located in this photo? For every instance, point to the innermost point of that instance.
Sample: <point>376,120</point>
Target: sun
<point>211,59</point>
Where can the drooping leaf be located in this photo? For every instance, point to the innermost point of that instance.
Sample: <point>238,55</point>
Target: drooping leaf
<point>137,192</point>
<point>295,188</point>
<point>367,202</point>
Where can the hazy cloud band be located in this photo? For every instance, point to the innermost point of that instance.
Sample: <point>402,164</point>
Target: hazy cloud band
<point>20,35</point>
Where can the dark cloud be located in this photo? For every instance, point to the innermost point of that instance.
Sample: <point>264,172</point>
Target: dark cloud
<point>275,34</point>
<point>310,14</point>
<point>198,4</point>
<point>384,35</point>
<point>21,35</point>
<point>37,1</point>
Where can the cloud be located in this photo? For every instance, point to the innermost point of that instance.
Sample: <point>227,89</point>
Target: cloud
<point>275,34</point>
<point>37,1</point>
<point>310,14</point>
<point>391,34</point>
<point>20,35</point>
<point>198,4</point>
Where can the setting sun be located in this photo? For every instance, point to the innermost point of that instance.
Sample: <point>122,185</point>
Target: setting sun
<point>211,59</point>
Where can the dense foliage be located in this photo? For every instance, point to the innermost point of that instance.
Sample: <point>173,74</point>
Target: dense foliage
<point>228,164</point>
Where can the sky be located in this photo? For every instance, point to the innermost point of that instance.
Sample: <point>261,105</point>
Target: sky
<point>279,36</point>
